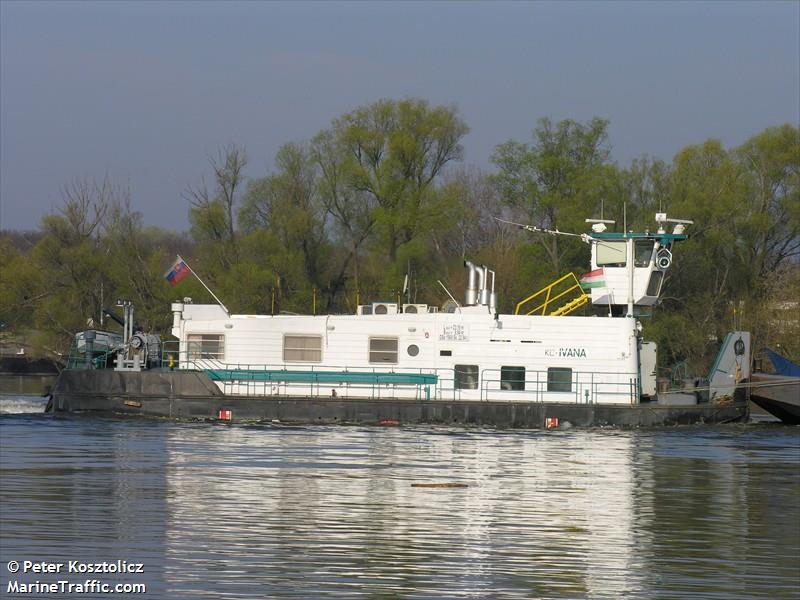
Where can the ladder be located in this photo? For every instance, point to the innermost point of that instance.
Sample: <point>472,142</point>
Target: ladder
<point>561,297</point>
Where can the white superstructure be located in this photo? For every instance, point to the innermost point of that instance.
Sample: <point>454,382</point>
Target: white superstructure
<point>472,353</point>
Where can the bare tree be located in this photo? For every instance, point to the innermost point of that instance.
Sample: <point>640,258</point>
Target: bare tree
<point>87,202</point>
<point>213,210</point>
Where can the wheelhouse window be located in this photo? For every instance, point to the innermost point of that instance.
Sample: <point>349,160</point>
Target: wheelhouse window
<point>611,254</point>
<point>205,345</point>
<point>302,348</point>
<point>643,253</point>
<point>512,378</point>
<point>654,285</point>
<point>466,377</point>
<point>383,350</point>
<point>559,379</point>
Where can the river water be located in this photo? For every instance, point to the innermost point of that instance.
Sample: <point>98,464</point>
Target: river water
<point>230,511</point>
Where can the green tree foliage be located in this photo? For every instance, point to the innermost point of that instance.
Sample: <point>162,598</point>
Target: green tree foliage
<point>284,249</point>
<point>19,286</point>
<point>389,155</point>
<point>555,183</point>
<point>351,209</point>
<point>212,214</point>
<point>771,234</point>
<point>637,193</point>
<point>746,236</point>
<point>93,251</point>
<point>344,216</point>
<point>475,233</point>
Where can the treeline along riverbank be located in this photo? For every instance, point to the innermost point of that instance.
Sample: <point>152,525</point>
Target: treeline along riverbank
<point>383,192</point>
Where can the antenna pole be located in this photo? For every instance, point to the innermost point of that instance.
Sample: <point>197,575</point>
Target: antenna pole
<point>625,217</point>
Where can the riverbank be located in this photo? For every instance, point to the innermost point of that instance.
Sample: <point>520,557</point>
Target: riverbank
<point>28,384</point>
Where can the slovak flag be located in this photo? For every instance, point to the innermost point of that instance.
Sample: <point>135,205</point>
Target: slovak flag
<point>177,271</point>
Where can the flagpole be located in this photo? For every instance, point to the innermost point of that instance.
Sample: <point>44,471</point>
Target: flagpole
<point>205,286</point>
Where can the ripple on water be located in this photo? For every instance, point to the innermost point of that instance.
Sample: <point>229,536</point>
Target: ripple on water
<point>247,511</point>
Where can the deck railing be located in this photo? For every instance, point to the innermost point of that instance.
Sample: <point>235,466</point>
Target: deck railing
<point>389,382</point>
<point>561,297</point>
<point>584,387</point>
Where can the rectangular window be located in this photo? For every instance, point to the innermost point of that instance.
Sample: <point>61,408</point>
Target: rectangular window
<point>654,285</point>
<point>611,254</point>
<point>383,350</point>
<point>642,253</point>
<point>205,345</point>
<point>512,378</point>
<point>559,379</point>
<point>466,377</point>
<point>302,348</point>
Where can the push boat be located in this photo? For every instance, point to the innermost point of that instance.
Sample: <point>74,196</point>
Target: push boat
<point>461,364</point>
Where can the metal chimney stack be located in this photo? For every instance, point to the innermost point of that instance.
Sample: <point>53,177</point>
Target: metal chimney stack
<point>471,295</point>
<point>483,271</point>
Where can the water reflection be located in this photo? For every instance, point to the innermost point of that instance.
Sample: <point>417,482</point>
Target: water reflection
<point>72,490</point>
<point>564,514</point>
<point>240,512</point>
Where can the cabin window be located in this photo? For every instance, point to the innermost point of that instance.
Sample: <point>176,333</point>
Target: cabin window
<point>445,353</point>
<point>383,350</point>
<point>611,254</point>
<point>205,345</point>
<point>643,253</point>
<point>302,348</point>
<point>559,379</point>
<point>654,285</point>
<point>466,377</point>
<point>412,350</point>
<point>512,378</point>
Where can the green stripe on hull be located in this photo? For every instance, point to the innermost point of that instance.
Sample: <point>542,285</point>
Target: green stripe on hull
<point>321,376</point>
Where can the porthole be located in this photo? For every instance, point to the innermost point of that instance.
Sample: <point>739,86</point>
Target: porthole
<point>412,350</point>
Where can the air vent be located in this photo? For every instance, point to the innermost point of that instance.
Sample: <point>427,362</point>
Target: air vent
<point>415,308</point>
<point>384,308</point>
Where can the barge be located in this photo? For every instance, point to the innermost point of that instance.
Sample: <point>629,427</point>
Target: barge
<point>391,363</point>
<point>778,393</point>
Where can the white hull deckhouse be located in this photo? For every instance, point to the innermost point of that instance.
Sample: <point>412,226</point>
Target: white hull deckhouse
<point>468,353</point>
<point>465,355</point>
<point>417,361</point>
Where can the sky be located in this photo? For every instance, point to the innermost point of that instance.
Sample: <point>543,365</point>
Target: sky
<point>146,92</point>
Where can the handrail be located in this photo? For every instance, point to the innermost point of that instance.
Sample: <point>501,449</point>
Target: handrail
<point>389,381</point>
<point>255,379</point>
<point>586,387</point>
<point>78,361</point>
<point>547,290</point>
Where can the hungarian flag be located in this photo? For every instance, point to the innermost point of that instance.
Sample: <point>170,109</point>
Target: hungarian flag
<point>593,279</point>
<point>178,271</point>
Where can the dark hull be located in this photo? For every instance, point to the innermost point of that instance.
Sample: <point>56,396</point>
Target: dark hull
<point>191,395</point>
<point>778,395</point>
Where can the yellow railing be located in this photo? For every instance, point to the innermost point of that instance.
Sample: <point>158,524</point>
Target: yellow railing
<point>556,292</point>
